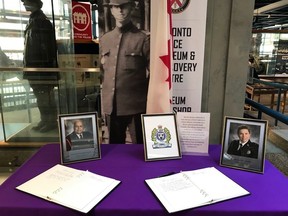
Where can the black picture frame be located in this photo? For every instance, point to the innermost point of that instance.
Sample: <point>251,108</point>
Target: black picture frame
<point>160,136</point>
<point>76,148</point>
<point>251,156</point>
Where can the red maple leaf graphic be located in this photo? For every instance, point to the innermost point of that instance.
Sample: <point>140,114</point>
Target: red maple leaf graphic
<point>167,61</point>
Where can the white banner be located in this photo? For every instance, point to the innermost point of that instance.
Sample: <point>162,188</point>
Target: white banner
<point>188,30</point>
<point>158,99</point>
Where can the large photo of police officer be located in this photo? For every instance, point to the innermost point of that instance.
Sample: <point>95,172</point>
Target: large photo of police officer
<point>243,144</point>
<point>124,42</point>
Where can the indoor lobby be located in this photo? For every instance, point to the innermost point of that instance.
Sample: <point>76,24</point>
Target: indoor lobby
<point>233,32</point>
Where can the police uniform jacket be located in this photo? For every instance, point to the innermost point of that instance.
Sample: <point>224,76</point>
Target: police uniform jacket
<point>125,56</point>
<point>250,149</point>
<point>40,47</point>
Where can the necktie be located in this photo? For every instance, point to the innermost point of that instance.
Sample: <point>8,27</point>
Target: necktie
<point>81,136</point>
<point>239,147</point>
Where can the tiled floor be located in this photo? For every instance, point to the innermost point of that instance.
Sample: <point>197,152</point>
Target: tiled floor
<point>271,148</point>
<point>4,174</point>
<point>3,177</point>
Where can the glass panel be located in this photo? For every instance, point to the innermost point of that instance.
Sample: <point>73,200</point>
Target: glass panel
<point>270,49</point>
<point>76,91</point>
<point>14,92</point>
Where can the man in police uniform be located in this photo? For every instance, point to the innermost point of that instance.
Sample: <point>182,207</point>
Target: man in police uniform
<point>125,57</point>
<point>244,146</point>
<point>40,52</point>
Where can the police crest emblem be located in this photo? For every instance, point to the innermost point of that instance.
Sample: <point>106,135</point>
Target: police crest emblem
<point>161,137</point>
<point>179,6</point>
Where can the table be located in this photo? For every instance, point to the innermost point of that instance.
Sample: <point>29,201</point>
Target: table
<point>259,89</point>
<point>280,78</point>
<point>269,191</point>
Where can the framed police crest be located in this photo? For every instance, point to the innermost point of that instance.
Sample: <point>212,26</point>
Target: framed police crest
<point>160,137</point>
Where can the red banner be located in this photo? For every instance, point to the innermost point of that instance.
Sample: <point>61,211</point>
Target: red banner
<point>81,16</point>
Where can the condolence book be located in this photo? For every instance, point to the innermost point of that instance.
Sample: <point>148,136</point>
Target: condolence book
<point>190,189</point>
<point>76,189</point>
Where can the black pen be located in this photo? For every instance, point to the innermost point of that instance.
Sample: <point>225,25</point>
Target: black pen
<point>167,174</point>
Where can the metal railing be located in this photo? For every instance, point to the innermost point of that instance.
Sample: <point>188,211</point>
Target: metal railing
<point>276,114</point>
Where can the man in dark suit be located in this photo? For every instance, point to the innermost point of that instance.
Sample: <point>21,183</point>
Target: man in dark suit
<point>79,138</point>
<point>243,147</point>
<point>125,57</point>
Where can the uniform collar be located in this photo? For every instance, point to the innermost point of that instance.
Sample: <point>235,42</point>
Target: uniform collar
<point>244,142</point>
<point>126,27</point>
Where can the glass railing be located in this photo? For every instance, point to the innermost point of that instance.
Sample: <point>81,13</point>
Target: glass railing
<point>77,91</point>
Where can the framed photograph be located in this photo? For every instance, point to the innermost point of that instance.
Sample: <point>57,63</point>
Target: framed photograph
<point>79,139</point>
<point>243,144</point>
<point>160,137</point>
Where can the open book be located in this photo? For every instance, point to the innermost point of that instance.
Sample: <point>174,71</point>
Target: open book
<point>76,189</point>
<point>190,189</point>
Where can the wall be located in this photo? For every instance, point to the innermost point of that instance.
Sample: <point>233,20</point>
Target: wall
<point>228,35</point>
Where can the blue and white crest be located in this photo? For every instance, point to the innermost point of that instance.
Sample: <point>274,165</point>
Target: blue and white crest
<point>161,138</point>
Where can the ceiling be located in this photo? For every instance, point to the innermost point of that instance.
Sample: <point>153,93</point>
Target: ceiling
<point>270,15</point>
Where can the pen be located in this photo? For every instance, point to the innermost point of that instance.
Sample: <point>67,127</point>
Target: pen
<point>167,174</point>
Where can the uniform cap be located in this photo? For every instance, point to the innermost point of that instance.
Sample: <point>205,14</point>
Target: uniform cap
<point>120,2</point>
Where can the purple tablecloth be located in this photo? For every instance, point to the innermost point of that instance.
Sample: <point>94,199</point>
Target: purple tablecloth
<point>269,191</point>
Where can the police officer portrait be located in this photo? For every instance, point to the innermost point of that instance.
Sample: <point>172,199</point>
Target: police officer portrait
<point>79,137</point>
<point>125,58</point>
<point>243,144</point>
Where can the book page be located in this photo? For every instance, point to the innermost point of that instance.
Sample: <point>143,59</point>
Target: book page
<point>216,184</point>
<point>55,176</point>
<point>176,192</point>
<point>190,189</point>
<point>77,189</point>
<point>81,190</point>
